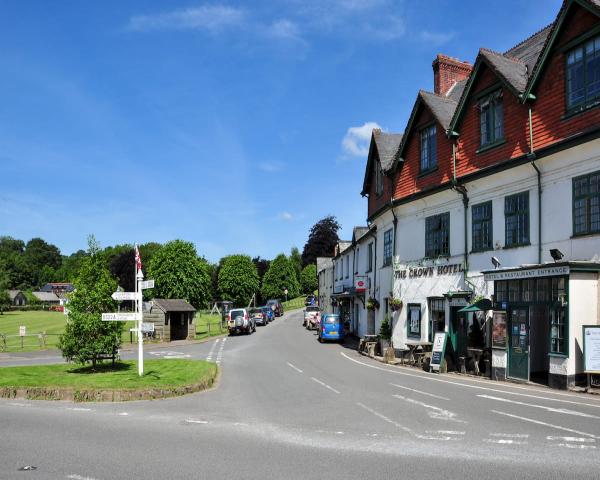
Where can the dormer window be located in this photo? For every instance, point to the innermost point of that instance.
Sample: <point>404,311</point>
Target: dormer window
<point>378,179</point>
<point>583,75</point>
<point>428,149</point>
<point>491,119</point>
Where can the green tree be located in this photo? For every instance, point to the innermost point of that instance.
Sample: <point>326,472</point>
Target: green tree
<point>69,269</point>
<point>179,273</point>
<point>281,275</point>
<point>238,279</point>
<point>321,240</point>
<point>308,278</point>
<point>5,301</point>
<point>296,261</point>
<point>86,336</point>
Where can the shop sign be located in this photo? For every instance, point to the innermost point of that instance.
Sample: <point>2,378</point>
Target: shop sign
<point>402,272</point>
<point>438,350</point>
<point>532,273</point>
<point>499,329</point>
<point>360,284</point>
<point>591,348</point>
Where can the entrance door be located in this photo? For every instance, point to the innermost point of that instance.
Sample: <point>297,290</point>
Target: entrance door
<point>518,350</point>
<point>458,332</point>
<point>178,326</point>
<point>370,322</point>
<point>355,322</point>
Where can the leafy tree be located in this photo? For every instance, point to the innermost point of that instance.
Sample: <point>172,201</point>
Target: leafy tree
<point>262,266</point>
<point>147,251</point>
<point>122,266</point>
<point>238,279</point>
<point>281,275</point>
<point>296,261</point>
<point>179,273</point>
<point>5,301</point>
<point>86,336</point>
<point>309,280</point>
<point>69,269</point>
<point>37,255</point>
<point>322,238</point>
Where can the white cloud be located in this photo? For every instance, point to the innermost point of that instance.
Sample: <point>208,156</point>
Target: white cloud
<point>207,17</point>
<point>356,141</point>
<point>286,216</point>
<point>270,167</point>
<point>436,38</point>
<point>285,29</point>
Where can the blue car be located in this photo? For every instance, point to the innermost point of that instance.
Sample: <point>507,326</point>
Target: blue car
<point>331,328</point>
<point>268,311</point>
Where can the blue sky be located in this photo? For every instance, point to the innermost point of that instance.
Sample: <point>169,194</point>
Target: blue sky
<point>235,125</point>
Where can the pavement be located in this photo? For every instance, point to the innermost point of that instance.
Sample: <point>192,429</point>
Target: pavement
<point>288,407</point>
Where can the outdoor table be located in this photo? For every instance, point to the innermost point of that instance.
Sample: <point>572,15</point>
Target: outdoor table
<point>413,346</point>
<point>476,353</point>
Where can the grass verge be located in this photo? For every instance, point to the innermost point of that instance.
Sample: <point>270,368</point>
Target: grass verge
<point>294,303</point>
<point>162,378</point>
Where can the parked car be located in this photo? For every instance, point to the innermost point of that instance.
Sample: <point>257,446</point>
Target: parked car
<point>268,311</point>
<point>312,317</point>
<point>331,328</point>
<point>276,306</point>
<point>240,322</point>
<point>310,300</point>
<point>259,317</point>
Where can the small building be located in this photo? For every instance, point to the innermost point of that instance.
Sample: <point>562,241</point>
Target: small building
<point>174,319</point>
<point>47,298</point>
<point>17,298</point>
<point>60,289</point>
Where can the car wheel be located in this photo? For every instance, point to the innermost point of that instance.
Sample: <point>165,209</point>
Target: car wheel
<point>320,339</point>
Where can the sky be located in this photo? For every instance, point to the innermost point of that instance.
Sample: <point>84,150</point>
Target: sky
<point>233,125</point>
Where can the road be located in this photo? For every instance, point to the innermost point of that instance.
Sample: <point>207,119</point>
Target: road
<point>288,407</point>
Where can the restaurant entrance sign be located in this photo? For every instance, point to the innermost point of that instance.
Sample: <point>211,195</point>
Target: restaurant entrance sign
<point>438,351</point>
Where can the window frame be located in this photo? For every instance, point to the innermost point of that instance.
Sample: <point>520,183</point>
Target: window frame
<point>378,179</point>
<point>587,197</point>
<point>370,258</point>
<point>409,332</point>
<point>387,247</point>
<point>431,143</point>
<point>347,266</point>
<point>482,222</point>
<point>586,102</point>
<point>491,102</point>
<point>510,215</point>
<point>430,235</point>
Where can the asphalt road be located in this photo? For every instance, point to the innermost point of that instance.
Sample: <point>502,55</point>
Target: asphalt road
<point>287,407</point>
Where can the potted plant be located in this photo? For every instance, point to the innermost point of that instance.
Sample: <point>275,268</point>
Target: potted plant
<point>385,334</point>
<point>395,304</point>
<point>372,304</point>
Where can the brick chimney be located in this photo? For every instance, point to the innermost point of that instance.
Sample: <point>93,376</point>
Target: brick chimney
<point>447,71</point>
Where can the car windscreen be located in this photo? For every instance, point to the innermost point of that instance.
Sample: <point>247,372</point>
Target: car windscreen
<point>312,309</point>
<point>256,312</point>
<point>331,320</point>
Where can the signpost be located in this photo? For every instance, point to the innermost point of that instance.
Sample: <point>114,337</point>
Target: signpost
<point>121,317</point>
<point>147,284</point>
<point>591,351</point>
<point>22,333</point>
<point>438,351</point>
<point>147,327</point>
<point>120,296</point>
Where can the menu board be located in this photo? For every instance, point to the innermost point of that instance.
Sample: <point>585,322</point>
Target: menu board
<point>437,352</point>
<point>591,348</point>
<point>499,329</point>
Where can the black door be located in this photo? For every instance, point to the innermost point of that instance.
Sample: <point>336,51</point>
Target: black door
<point>178,326</point>
<point>518,350</point>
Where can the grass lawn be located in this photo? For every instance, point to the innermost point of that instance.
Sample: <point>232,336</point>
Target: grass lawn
<point>157,374</point>
<point>53,323</point>
<point>294,303</point>
<point>204,320</point>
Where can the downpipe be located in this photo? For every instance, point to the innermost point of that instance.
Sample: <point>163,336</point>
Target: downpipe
<point>532,158</point>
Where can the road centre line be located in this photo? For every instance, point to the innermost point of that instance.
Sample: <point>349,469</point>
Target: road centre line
<point>510,435</point>
<point>573,445</point>
<point>324,384</point>
<point>419,391</point>
<point>294,367</point>
<point>384,418</point>
<point>571,439</point>
<point>539,422</point>
<point>504,441</point>
<point>548,409</point>
<point>437,412</point>
<point>432,377</point>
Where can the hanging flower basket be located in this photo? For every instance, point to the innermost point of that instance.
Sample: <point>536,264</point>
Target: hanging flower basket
<point>395,304</point>
<point>372,304</point>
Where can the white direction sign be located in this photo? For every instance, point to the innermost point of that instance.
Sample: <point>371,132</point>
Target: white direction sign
<point>147,284</point>
<point>148,327</point>
<point>120,296</point>
<point>121,317</point>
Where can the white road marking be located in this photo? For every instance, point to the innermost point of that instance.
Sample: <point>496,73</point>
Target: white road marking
<point>220,352</point>
<point>549,409</point>
<point>434,377</point>
<point>573,445</point>
<point>436,412</point>
<point>79,477</point>
<point>294,367</point>
<point>435,437</point>
<point>123,414</point>
<point>558,427</point>
<point>419,391</point>
<point>572,439</point>
<point>384,418</point>
<point>446,432</point>
<point>202,422</point>
<point>79,409</point>
<point>324,384</point>
<point>18,404</point>
<point>212,350</point>
<point>510,435</point>
<point>504,441</point>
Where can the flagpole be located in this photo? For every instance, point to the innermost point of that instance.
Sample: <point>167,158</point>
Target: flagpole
<point>139,276</point>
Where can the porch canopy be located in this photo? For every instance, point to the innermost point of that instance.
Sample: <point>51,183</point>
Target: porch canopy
<point>479,306</point>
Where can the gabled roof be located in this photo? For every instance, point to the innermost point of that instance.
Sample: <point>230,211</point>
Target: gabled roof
<point>45,296</point>
<point>172,305</point>
<point>383,147</point>
<point>510,67</point>
<point>441,107</point>
<point>13,294</point>
<point>550,37</point>
<point>323,263</point>
<point>358,233</point>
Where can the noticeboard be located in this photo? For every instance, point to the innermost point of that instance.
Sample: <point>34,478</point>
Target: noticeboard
<point>499,329</point>
<point>591,348</point>
<point>438,351</point>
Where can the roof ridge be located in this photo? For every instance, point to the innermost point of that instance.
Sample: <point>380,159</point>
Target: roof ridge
<point>530,37</point>
<point>437,95</point>
<point>503,55</point>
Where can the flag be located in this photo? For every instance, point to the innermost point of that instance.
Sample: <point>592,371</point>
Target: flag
<point>138,259</point>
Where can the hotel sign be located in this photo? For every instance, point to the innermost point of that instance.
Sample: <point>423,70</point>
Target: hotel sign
<point>403,272</point>
<point>531,273</point>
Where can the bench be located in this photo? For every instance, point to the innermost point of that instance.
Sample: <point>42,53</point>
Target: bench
<point>115,355</point>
